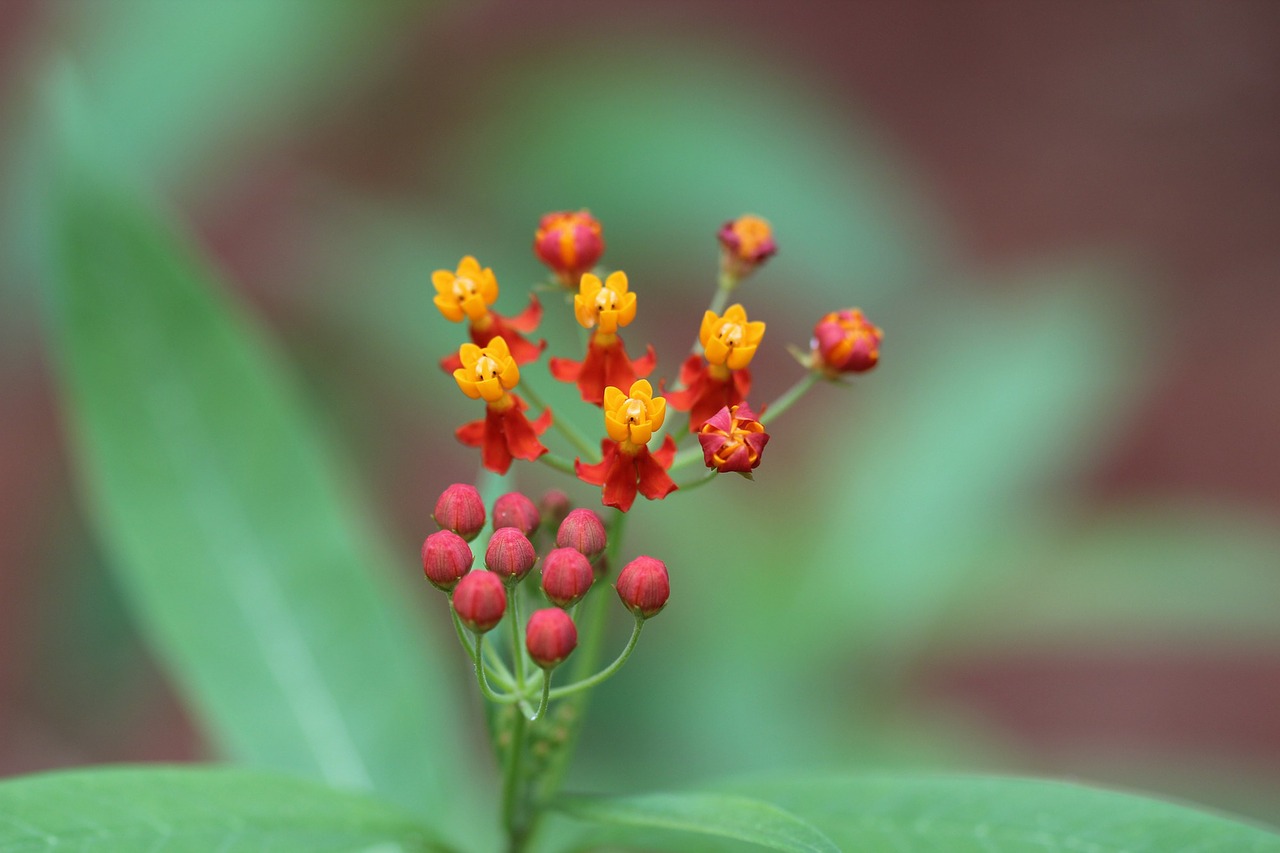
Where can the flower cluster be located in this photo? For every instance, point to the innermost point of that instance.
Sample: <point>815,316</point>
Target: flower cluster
<point>642,433</point>
<point>713,386</point>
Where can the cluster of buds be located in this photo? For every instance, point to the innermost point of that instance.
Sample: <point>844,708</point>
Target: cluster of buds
<point>482,597</point>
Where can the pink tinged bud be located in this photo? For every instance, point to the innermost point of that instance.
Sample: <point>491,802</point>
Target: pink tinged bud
<point>644,586</point>
<point>583,531</point>
<point>566,576</point>
<point>461,510</point>
<point>555,506</point>
<point>516,510</point>
<point>733,439</point>
<point>550,637</point>
<point>480,600</point>
<point>446,558</point>
<point>846,342</point>
<point>510,554</point>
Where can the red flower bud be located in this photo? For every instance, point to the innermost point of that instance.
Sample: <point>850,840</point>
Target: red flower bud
<point>446,557</point>
<point>550,637</point>
<point>733,439</point>
<point>555,505</point>
<point>516,510</point>
<point>583,531</point>
<point>566,576</point>
<point>644,586</point>
<point>461,510</point>
<point>569,243</point>
<point>510,553</point>
<point>480,600</point>
<point>845,342</point>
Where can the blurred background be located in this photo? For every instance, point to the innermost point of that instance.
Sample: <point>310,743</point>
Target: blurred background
<point>1040,538</point>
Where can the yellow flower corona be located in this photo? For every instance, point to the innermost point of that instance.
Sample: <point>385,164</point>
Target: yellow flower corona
<point>605,307</point>
<point>633,417</point>
<point>487,373</point>
<point>730,340</point>
<point>468,292</point>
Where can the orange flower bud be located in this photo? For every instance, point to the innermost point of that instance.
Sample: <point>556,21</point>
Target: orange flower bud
<point>550,637</point>
<point>845,342</point>
<point>446,557</point>
<point>569,243</point>
<point>745,243</point>
<point>480,601</point>
<point>644,587</point>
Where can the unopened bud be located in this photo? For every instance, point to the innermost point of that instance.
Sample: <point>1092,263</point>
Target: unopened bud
<point>510,554</point>
<point>480,600</point>
<point>845,342</point>
<point>583,531</point>
<point>566,576</point>
<point>555,505</point>
<point>446,557</point>
<point>644,586</point>
<point>461,510</point>
<point>516,510</point>
<point>550,637</point>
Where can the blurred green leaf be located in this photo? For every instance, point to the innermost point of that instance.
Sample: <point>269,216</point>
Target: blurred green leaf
<point>245,555</point>
<point>177,86</point>
<point>963,814</point>
<point>1162,571</point>
<point>978,407</point>
<point>676,817</point>
<point>196,810</point>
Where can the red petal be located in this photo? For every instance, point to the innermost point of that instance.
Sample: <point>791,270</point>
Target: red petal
<point>520,438</point>
<point>521,350</point>
<point>472,434</point>
<point>595,474</point>
<point>693,375</point>
<point>528,319</point>
<point>565,370</point>
<point>666,454</point>
<point>711,443</point>
<point>693,367</point>
<point>644,365</point>
<point>620,482</point>
<point>716,394</point>
<point>494,454</point>
<point>450,363</point>
<point>618,371</point>
<point>654,482</point>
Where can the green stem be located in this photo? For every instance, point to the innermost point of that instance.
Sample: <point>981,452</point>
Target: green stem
<point>500,674</point>
<point>546,697</point>
<point>512,817</point>
<point>502,699</point>
<point>790,396</point>
<point>685,458</point>
<point>605,673</point>
<point>586,659</point>
<point>701,481</point>
<point>568,430</point>
<point>557,462</point>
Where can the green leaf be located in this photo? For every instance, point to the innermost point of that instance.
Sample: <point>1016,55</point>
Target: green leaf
<point>963,814</point>
<point>665,821</point>
<point>198,810</point>
<point>241,547</point>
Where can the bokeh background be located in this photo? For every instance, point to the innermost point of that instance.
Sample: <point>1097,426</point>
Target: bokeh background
<point>1040,538</point>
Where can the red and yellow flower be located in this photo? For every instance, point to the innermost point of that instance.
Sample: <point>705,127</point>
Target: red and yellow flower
<point>467,293</point>
<point>745,243</point>
<point>630,419</point>
<point>845,342</point>
<point>569,243</point>
<point>489,373</point>
<point>733,439</point>
<point>606,307</point>
<point>729,342</point>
